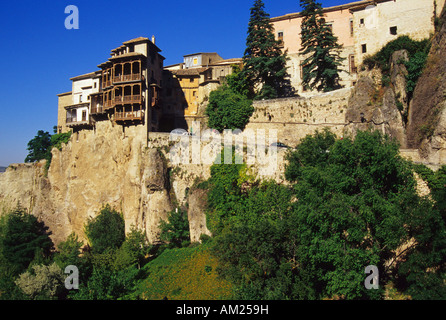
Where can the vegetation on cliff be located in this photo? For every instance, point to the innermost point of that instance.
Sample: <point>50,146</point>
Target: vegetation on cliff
<point>418,52</point>
<point>39,148</point>
<point>229,106</point>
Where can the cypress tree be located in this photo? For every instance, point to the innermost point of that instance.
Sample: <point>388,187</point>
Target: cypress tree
<point>264,63</point>
<point>320,49</point>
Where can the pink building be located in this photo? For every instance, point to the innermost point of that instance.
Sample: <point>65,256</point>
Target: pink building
<point>362,27</point>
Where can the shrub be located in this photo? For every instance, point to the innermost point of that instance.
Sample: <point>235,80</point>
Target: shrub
<point>106,231</point>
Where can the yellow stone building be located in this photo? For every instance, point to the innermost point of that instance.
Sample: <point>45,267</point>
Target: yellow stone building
<point>188,86</point>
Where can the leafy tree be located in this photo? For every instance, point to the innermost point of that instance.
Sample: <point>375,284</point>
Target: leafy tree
<point>107,284</point>
<point>24,239</point>
<point>264,63</point>
<point>228,106</point>
<point>41,145</point>
<point>353,203</point>
<point>106,231</point>
<point>69,252</point>
<point>133,250</point>
<point>228,109</point>
<point>357,208</point>
<point>46,282</point>
<point>320,48</point>
<point>175,231</point>
<point>224,193</point>
<point>38,147</point>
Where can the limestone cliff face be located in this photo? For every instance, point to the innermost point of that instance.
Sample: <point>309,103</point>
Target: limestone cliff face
<point>373,105</point>
<point>105,166</point>
<point>427,117</point>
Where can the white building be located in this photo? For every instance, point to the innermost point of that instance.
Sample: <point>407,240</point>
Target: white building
<point>78,113</point>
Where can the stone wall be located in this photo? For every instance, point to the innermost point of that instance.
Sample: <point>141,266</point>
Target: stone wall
<point>295,117</point>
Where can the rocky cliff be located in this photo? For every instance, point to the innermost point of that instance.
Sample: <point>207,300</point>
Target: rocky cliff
<point>105,166</point>
<point>427,116</point>
<point>115,166</point>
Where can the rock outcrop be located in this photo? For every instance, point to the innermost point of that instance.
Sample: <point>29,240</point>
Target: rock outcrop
<point>373,105</point>
<point>105,166</point>
<point>427,117</point>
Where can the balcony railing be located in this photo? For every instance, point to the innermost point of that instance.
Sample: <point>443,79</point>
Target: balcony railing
<point>72,120</point>
<point>129,115</point>
<point>97,110</point>
<point>127,77</point>
<point>108,104</point>
<point>127,99</point>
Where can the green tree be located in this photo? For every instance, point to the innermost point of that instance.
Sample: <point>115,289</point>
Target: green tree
<point>45,282</point>
<point>352,204</point>
<point>264,63</point>
<point>23,239</point>
<point>228,109</point>
<point>69,252</point>
<point>105,231</point>
<point>175,231</point>
<point>38,147</point>
<point>133,251</point>
<point>107,284</point>
<point>320,49</point>
<point>359,207</point>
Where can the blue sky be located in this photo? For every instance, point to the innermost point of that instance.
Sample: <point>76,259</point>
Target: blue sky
<point>38,55</point>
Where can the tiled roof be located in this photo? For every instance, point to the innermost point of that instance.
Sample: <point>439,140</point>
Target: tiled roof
<point>139,39</point>
<point>126,55</point>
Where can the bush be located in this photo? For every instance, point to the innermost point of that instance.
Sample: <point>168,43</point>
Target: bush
<point>382,58</point>
<point>175,231</point>
<point>106,231</point>
<point>23,239</point>
<point>47,282</point>
<point>228,109</point>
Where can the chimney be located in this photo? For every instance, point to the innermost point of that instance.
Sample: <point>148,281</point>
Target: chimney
<point>153,39</point>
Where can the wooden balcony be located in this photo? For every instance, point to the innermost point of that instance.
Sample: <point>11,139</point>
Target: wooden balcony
<point>127,99</point>
<point>106,84</point>
<point>129,116</point>
<point>97,110</point>
<point>108,104</point>
<point>127,78</point>
<point>73,121</point>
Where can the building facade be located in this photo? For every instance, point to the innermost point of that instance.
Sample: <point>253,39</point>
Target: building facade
<point>188,86</point>
<point>126,90</point>
<point>362,27</point>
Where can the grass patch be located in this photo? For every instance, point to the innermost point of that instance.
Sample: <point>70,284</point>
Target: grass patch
<point>184,274</point>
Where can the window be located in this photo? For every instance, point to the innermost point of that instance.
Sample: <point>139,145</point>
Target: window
<point>353,68</point>
<point>351,27</point>
<point>280,37</point>
<point>361,21</point>
<point>393,31</point>
<point>364,48</point>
